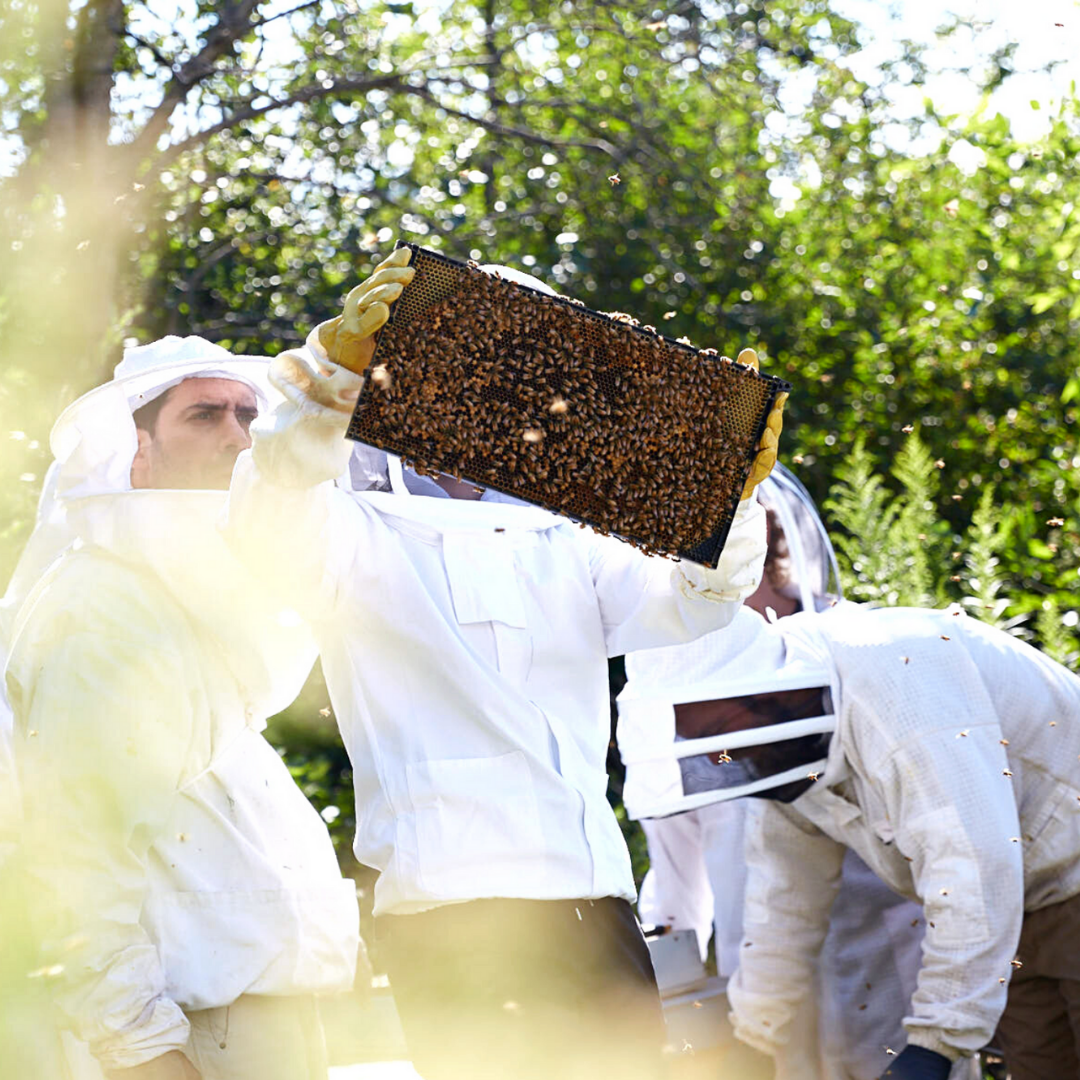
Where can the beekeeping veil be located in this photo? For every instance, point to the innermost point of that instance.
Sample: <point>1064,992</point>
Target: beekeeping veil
<point>745,710</point>
<point>88,499</point>
<point>94,443</point>
<point>801,559</point>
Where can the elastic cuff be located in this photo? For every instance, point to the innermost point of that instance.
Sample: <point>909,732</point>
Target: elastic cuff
<point>698,588</point>
<point>928,1039</point>
<point>751,1038</point>
<point>161,1027</point>
<point>745,507</point>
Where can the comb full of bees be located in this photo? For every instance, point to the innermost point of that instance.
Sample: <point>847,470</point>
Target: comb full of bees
<point>591,416</point>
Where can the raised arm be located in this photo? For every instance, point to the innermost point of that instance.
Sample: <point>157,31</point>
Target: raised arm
<point>285,516</point>
<point>646,602</point>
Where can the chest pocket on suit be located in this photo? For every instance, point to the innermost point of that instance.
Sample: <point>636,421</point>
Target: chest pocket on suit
<point>486,592</point>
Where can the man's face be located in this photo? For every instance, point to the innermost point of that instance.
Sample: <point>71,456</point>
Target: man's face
<point>201,428</point>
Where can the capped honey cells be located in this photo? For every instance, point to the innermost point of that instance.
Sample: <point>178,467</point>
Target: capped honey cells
<point>590,416</point>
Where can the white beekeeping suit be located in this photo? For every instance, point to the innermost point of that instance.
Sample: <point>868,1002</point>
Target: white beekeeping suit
<point>698,875</point>
<point>31,1029</point>
<point>177,869</point>
<point>465,645</point>
<point>50,537</point>
<point>953,773</point>
<point>947,762</point>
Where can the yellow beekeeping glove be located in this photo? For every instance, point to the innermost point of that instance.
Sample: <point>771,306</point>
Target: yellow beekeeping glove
<point>348,339</point>
<point>770,437</point>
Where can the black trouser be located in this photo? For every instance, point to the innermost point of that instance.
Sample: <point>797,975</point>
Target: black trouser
<point>1040,1028</point>
<point>524,989</point>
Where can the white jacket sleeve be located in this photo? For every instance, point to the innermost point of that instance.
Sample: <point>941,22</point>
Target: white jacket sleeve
<point>104,727</point>
<point>285,517</point>
<point>646,602</point>
<point>950,799</point>
<point>793,875</point>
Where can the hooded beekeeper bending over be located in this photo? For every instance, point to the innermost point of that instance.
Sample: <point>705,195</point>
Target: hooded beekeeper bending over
<point>697,874</point>
<point>945,753</point>
<point>464,637</point>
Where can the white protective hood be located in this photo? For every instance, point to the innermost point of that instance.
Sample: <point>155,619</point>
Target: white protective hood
<point>175,535</point>
<point>87,497</point>
<point>666,774</point>
<point>814,570</point>
<point>94,440</point>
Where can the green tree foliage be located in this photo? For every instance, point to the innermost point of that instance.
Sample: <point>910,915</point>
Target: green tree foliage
<point>896,549</point>
<point>232,170</point>
<point>1053,638</point>
<point>866,509</point>
<point>981,574</point>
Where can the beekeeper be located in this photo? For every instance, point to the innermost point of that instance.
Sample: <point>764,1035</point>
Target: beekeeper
<point>697,877</point>
<point>189,898</point>
<point>464,636</point>
<point>944,753</point>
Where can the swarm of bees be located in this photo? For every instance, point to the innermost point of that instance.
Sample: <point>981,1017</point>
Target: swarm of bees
<point>593,417</point>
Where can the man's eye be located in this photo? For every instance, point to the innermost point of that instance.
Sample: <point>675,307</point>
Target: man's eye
<point>246,416</point>
<point>205,414</point>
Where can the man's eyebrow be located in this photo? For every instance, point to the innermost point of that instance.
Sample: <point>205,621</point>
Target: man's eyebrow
<point>218,406</point>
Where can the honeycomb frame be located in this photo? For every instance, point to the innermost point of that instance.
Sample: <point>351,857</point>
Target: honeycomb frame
<point>585,414</point>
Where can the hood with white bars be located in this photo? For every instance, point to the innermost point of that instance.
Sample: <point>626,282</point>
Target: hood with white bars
<point>754,746</point>
<point>735,713</point>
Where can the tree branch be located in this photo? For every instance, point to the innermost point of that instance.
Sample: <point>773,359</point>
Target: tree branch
<point>154,51</point>
<point>235,23</point>
<point>311,92</point>
<point>286,14</point>
<point>600,145</point>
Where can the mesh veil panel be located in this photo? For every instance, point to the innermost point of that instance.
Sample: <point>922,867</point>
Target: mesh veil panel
<point>594,418</point>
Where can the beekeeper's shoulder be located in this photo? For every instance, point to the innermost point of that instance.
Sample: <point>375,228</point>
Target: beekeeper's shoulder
<point>91,592</point>
<point>888,657</point>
